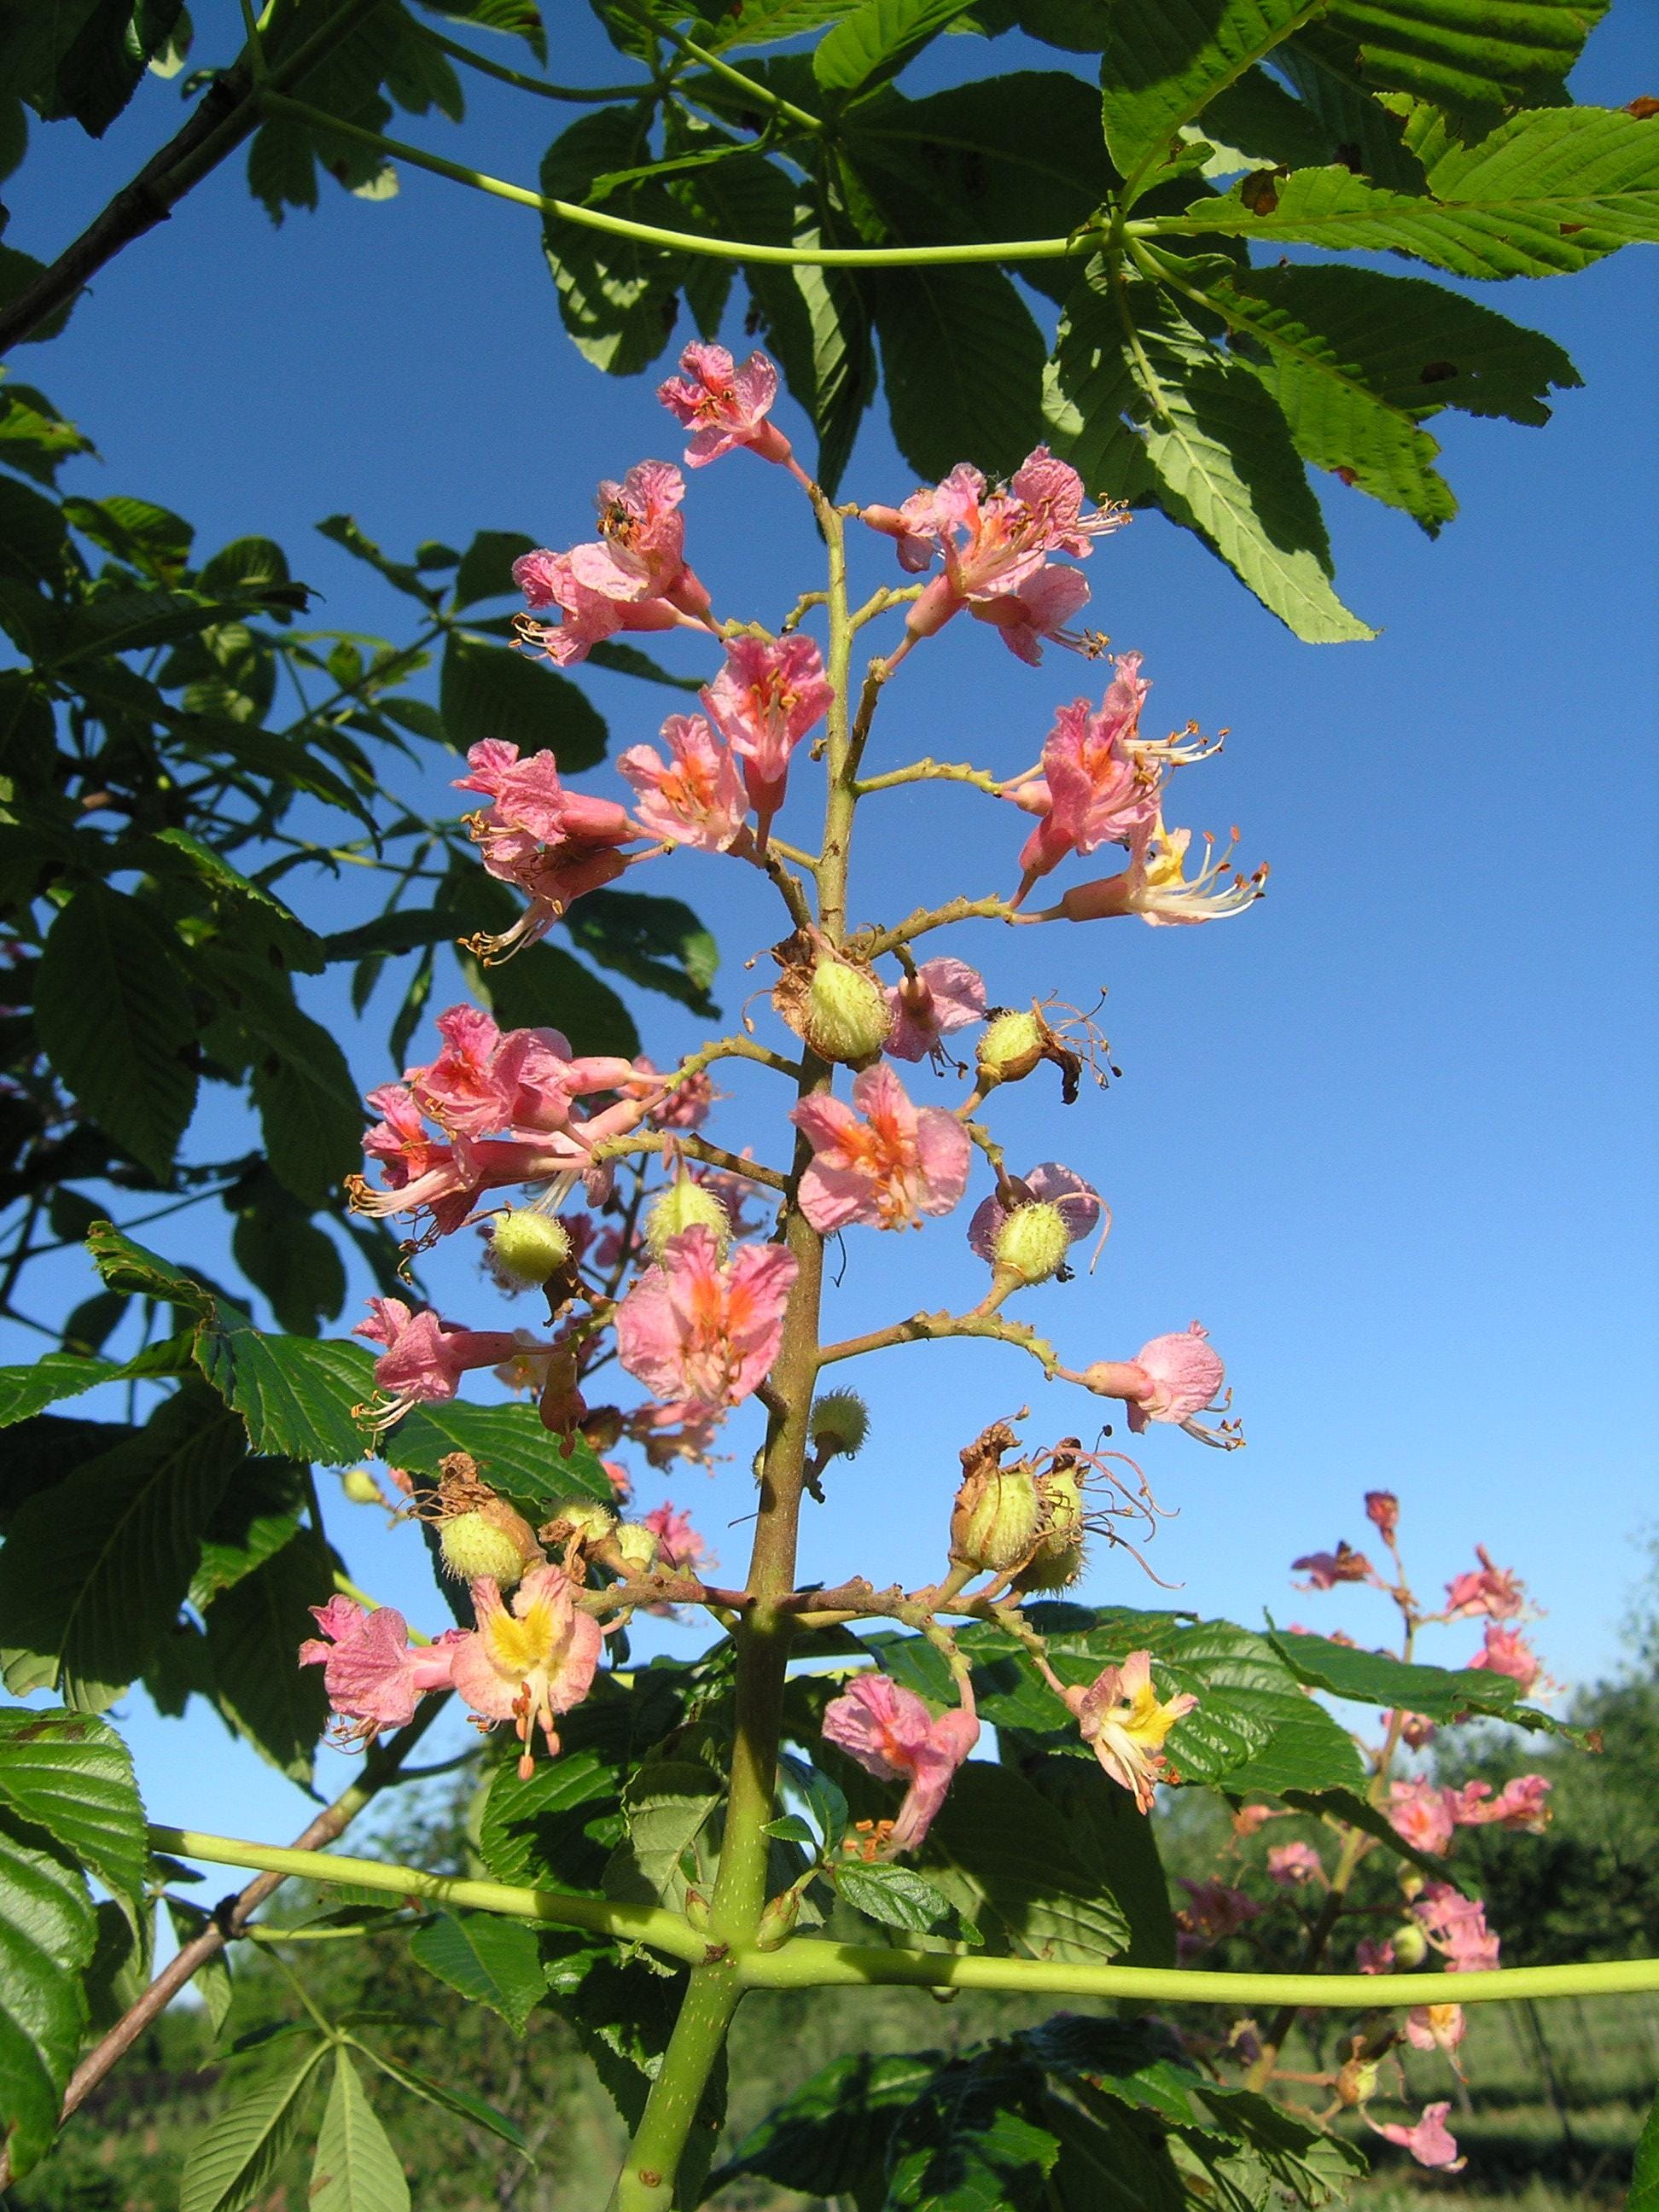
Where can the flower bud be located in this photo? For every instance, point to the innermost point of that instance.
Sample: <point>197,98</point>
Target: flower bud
<point>1032,1242</point>
<point>491,1540</point>
<point>636,1545</point>
<point>840,1423</point>
<point>777,1920</point>
<point>361,1488</point>
<point>697,1910</point>
<point>1011,1047</point>
<point>686,1205</point>
<point>528,1246</point>
<point>1411,1945</point>
<point>996,1519</point>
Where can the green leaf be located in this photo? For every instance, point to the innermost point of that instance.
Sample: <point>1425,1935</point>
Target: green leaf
<point>876,40</point>
<point>1003,1857</point>
<point>791,1829</point>
<point>616,298</point>
<point>295,1395</point>
<point>536,1832</point>
<point>234,2159</point>
<point>515,1455</point>
<point>657,943</point>
<point>253,1629</point>
<point>355,2168</point>
<point>629,661</point>
<point>492,691</point>
<point>543,984</point>
<point>667,1803</point>
<point>450,2097</point>
<point>56,1374</point>
<point>963,363</point>
<point>296,1264</point>
<point>1216,448</point>
<point>112,1013</point>
<point>764,23</point>
<point>255,918</point>
<point>71,1776</point>
<point>47,1936</point>
<point>1375,1678</point>
<point>961,2148</point>
<point>212,1977</point>
<point>1108,1833</point>
<point>95,1569</point>
<point>486,567</point>
<point>254,566</point>
<point>344,530</point>
<point>1322,70</point>
<point>1166,60</point>
<point>1552,189</point>
<point>126,1265</point>
<point>898,1897</point>
<point>830,2139</point>
<point>1467,54</point>
<point>491,1960</point>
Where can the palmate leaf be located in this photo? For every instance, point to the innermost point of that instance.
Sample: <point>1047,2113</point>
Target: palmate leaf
<point>616,298</point>
<point>667,1804</point>
<point>897,1897</point>
<point>1208,441</point>
<point>112,1013</point>
<point>1440,1693</point>
<point>70,1775</point>
<point>1553,189</point>
<point>831,2138</point>
<point>1003,1857</point>
<point>657,943</point>
<point>1324,70</point>
<point>542,985</point>
<point>490,1959</point>
<point>960,2148</point>
<point>253,1629</point>
<point>876,40</point>
<point>963,364</point>
<point>490,691</point>
<point>1467,55</point>
<point>25,1390</point>
<point>515,1455</point>
<point>1645,2181</point>
<point>48,1936</point>
<point>764,23</point>
<point>95,1569</point>
<point>355,2168</point>
<point>1165,60</point>
<point>233,2160</point>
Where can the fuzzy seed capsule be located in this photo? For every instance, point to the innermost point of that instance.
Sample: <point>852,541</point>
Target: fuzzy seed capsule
<point>529,1246</point>
<point>491,1540</point>
<point>578,1520</point>
<point>845,1016</point>
<point>1057,1561</point>
<point>1055,1566</point>
<point>685,1205</point>
<point>1032,1242</point>
<point>840,1423</point>
<point>996,1519</point>
<point>1411,1945</point>
<point>637,1547</point>
<point>1011,1047</point>
<point>361,1488</point>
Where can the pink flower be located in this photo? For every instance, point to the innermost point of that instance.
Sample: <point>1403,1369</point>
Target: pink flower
<point>1173,1378</point>
<point>527,1664</point>
<point>766,698</point>
<point>692,1330</point>
<point>687,1105</point>
<point>1428,2143</point>
<point>1457,1926</point>
<point>1421,1814</point>
<point>1156,885</point>
<point>1506,1651</point>
<point>552,843</point>
<point>641,555</point>
<point>942,996</point>
<point>1077,1203</point>
<point>1498,1592</point>
<point>461,1090</point>
<point>587,616</point>
<point>1325,1570</point>
<point>695,798</point>
<point>892,1736</point>
<point>678,1544</point>
<point>1415,1729</point>
<point>1520,1804</point>
<point>1213,1911</point>
<point>1094,788</point>
<point>1122,1720</point>
<point>425,1358</point>
<point>723,405</point>
<point>1290,1865</point>
<point>373,1677</point>
<point>995,546</point>
<point>1382,1511</point>
<point>1435,2027</point>
<point>881,1160</point>
<point>1372,1957</point>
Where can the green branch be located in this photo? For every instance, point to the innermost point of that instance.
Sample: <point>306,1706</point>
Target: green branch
<point>522,81</point>
<point>636,1924</point>
<point>995,251</point>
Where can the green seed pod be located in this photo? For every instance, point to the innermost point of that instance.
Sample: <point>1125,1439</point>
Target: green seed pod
<point>1055,1566</point>
<point>1058,1560</point>
<point>578,1520</point>
<point>637,1547</point>
<point>492,1539</point>
<point>1032,1242</point>
<point>1411,1945</point>
<point>529,1246</point>
<point>996,1518</point>
<point>840,1423</point>
<point>1011,1047</point>
<point>685,1205</point>
<point>361,1488</point>
<point>845,1016</point>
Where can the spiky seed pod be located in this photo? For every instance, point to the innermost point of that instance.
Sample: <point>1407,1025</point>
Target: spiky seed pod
<point>491,1540</point>
<point>685,1205</point>
<point>1011,1047</point>
<point>1411,1945</point>
<point>838,1006</point>
<point>528,1246</point>
<point>637,1547</point>
<point>1032,1242</point>
<point>1058,1558</point>
<point>996,1518</point>
<point>840,1423</point>
<point>1055,1566</point>
<point>361,1488</point>
<point>578,1520</point>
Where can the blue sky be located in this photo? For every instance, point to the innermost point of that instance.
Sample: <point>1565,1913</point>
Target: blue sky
<point>1389,1135</point>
